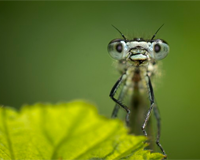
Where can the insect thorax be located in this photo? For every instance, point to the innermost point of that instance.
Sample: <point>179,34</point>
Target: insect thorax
<point>135,75</point>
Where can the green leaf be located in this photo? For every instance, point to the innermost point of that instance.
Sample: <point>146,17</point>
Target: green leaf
<point>67,131</point>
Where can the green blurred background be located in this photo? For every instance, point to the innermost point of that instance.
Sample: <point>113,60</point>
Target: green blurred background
<point>57,51</point>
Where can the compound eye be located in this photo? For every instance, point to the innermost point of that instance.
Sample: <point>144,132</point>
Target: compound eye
<point>119,47</point>
<point>116,48</point>
<point>160,49</point>
<point>157,48</point>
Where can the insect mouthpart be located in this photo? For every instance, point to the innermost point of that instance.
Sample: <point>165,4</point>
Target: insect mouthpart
<point>138,54</point>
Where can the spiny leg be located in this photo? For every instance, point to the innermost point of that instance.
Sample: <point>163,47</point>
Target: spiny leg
<point>157,115</point>
<point>120,98</point>
<point>151,98</point>
<point>152,106</point>
<point>118,103</point>
<point>115,111</point>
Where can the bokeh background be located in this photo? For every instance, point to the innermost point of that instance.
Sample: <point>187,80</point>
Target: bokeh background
<point>57,51</point>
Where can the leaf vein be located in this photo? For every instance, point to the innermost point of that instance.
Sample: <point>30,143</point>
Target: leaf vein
<point>97,144</point>
<point>7,134</point>
<point>71,129</point>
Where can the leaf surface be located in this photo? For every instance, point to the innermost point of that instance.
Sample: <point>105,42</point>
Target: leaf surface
<point>71,130</point>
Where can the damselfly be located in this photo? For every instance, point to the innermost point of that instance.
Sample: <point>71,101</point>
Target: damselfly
<point>137,61</point>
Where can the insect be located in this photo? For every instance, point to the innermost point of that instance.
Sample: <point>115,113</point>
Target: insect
<point>137,61</point>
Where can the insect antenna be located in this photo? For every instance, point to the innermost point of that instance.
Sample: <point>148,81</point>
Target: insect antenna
<point>157,32</point>
<point>120,32</point>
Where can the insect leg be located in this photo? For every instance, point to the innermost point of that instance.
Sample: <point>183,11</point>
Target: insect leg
<point>115,111</point>
<point>157,115</point>
<point>118,103</point>
<point>120,98</point>
<point>151,98</point>
<point>153,106</point>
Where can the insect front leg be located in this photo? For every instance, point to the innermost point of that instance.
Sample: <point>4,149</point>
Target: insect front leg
<point>152,106</point>
<point>157,115</point>
<point>120,98</point>
<point>115,111</point>
<point>151,98</point>
<point>118,101</point>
